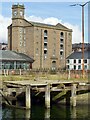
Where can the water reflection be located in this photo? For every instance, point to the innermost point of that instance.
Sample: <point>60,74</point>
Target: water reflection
<point>28,114</point>
<point>73,112</point>
<point>39,112</point>
<point>0,112</point>
<point>47,114</point>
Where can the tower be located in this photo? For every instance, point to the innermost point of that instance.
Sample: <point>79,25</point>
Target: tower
<point>17,27</point>
<point>18,11</point>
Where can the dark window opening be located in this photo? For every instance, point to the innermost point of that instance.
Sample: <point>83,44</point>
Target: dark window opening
<point>61,46</point>
<point>74,61</point>
<point>85,61</point>
<point>79,61</point>
<point>45,51</point>
<point>61,40</point>
<point>67,66</point>
<point>45,44</point>
<point>61,52</point>
<point>79,67</point>
<point>45,32</point>
<point>74,67</point>
<point>67,61</point>
<point>61,34</point>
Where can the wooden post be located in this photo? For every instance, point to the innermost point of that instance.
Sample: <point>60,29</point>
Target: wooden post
<point>69,75</point>
<point>73,95</point>
<point>73,113</point>
<point>27,114</point>
<point>20,72</point>
<point>7,71</point>
<point>47,96</point>
<point>47,114</point>
<point>28,97</point>
<point>4,72</point>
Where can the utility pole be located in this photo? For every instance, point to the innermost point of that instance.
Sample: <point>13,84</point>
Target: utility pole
<point>82,5</point>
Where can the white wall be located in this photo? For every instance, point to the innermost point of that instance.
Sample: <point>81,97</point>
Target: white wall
<point>71,64</point>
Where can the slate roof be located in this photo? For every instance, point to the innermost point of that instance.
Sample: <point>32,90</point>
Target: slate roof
<point>79,45</point>
<point>6,55</point>
<point>57,26</point>
<point>38,24</point>
<point>78,55</point>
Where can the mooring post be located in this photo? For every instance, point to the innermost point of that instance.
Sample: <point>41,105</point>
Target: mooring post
<point>27,114</point>
<point>73,113</point>
<point>47,96</point>
<point>28,97</point>
<point>73,95</point>
<point>20,72</point>
<point>47,114</point>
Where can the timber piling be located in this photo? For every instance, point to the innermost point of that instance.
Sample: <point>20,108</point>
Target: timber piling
<point>12,89</point>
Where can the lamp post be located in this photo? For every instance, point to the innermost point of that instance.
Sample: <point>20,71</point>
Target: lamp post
<point>82,5</point>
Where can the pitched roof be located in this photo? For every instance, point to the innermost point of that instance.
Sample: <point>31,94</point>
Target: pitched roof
<point>78,55</point>
<point>79,45</point>
<point>38,24</point>
<point>6,55</point>
<point>57,26</point>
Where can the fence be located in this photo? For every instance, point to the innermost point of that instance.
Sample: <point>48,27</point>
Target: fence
<point>65,74</point>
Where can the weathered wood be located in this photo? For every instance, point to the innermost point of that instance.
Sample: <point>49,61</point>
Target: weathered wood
<point>37,93</point>
<point>28,97</point>
<point>47,96</point>
<point>44,86</point>
<point>5,98</point>
<point>59,95</point>
<point>73,94</point>
<point>47,114</point>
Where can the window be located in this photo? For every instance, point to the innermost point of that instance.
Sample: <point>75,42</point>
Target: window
<point>61,40</point>
<point>67,61</point>
<point>20,43</point>
<point>15,13</point>
<point>45,39</point>
<point>20,36</point>
<point>79,61</point>
<point>45,45</point>
<point>61,34</point>
<point>24,43</point>
<point>45,32</point>
<point>68,67</point>
<point>69,34</point>
<point>20,30</point>
<point>61,46</point>
<point>21,13</point>
<point>79,67</point>
<point>74,61</point>
<point>45,51</point>
<point>85,67</point>
<point>61,52</point>
<point>85,61</point>
<point>74,67</point>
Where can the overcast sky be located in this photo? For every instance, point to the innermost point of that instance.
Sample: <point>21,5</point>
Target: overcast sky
<point>49,13</point>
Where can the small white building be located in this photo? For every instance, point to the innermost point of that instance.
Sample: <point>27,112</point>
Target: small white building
<point>74,61</point>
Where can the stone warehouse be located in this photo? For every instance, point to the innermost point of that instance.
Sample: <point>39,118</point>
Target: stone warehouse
<point>48,45</point>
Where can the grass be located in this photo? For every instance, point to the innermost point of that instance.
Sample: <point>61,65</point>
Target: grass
<point>40,77</point>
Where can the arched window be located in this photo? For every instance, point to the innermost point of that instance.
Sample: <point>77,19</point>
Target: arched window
<point>61,34</point>
<point>53,65</point>
<point>45,33</point>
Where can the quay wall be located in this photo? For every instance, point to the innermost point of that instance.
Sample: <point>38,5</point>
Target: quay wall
<point>82,99</point>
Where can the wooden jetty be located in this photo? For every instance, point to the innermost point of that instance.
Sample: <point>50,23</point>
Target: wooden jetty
<point>11,89</point>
